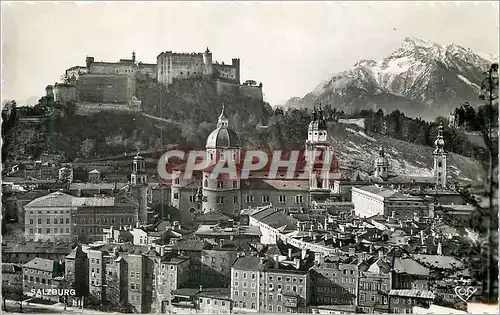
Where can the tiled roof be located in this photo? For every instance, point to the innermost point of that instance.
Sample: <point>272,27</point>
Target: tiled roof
<point>36,248</point>
<point>438,261</point>
<point>386,193</point>
<point>412,293</point>
<point>275,184</point>
<point>248,263</point>
<point>94,201</point>
<point>190,245</point>
<point>189,292</point>
<point>56,199</point>
<point>217,293</point>
<point>219,231</point>
<point>410,266</point>
<point>77,252</point>
<point>277,220</point>
<point>40,264</point>
<point>336,307</point>
<point>95,186</point>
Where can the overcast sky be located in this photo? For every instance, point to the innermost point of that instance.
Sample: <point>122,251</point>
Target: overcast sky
<point>288,46</point>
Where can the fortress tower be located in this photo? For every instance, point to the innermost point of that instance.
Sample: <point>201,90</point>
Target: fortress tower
<point>222,194</point>
<point>440,159</point>
<point>208,70</point>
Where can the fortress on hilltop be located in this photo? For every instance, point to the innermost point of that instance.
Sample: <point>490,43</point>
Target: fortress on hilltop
<point>112,85</point>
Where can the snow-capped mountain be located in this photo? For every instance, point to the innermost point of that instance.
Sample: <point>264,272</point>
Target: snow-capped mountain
<point>418,77</point>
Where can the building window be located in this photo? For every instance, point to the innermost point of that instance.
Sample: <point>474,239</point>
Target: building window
<point>235,292</point>
<point>235,199</point>
<point>205,183</point>
<point>265,199</point>
<point>235,184</point>
<point>282,199</point>
<point>299,199</point>
<point>176,195</point>
<point>48,221</point>
<point>249,198</point>
<point>39,221</point>
<point>220,184</point>
<point>220,200</point>
<point>362,297</point>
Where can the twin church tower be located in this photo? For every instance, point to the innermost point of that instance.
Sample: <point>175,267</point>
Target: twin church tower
<point>204,194</point>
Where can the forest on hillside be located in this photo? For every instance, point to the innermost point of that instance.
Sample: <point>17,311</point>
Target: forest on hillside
<point>193,107</point>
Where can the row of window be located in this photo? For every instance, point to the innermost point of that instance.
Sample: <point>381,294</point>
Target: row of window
<point>49,230</point>
<point>299,199</point>
<point>223,303</point>
<point>56,221</point>
<point>47,212</point>
<point>36,279</point>
<point>105,220</point>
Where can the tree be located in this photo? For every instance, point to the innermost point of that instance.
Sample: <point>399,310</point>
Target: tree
<point>88,147</point>
<point>14,293</point>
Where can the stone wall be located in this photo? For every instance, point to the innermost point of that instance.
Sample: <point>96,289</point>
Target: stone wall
<point>98,88</point>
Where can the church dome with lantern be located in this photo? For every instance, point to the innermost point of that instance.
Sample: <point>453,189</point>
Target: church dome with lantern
<point>223,136</point>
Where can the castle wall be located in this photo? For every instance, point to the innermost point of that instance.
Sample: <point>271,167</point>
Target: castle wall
<point>147,69</point>
<point>75,72</point>
<point>227,72</point>
<point>226,87</point>
<point>86,109</point>
<point>171,66</point>
<point>116,89</point>
<point>253,92</point>
<point>111,68</point>
<point>64,93</point>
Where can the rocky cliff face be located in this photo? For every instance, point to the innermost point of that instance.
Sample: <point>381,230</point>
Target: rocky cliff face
<point>420,77</point>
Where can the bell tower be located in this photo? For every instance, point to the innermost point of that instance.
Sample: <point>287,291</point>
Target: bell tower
<point>381,164</point>
<point>138,176</point>
<point>440,159</point>
<point>317,151</point>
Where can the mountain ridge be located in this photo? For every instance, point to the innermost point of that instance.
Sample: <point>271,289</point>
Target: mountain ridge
<point>417,76</point>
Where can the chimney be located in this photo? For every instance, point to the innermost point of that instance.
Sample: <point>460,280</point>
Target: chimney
<point>440,249</point>
<point>289,253</point>
<point>303,254</point>
<point>162,251</point>
<point>137,224</point>
<point>276,262</point>
<point>201,287</point>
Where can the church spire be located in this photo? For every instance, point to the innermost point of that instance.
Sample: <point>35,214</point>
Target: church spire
<point>440,165</point>
<point>439,143</point>
<point>222,121</point>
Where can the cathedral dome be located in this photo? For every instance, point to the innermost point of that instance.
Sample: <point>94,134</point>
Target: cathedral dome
<point>223,137</point>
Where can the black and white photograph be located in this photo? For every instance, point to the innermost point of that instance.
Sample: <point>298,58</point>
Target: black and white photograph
<point>242,157</point>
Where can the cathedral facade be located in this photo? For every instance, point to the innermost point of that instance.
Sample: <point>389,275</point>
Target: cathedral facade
<point>203,193</point>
